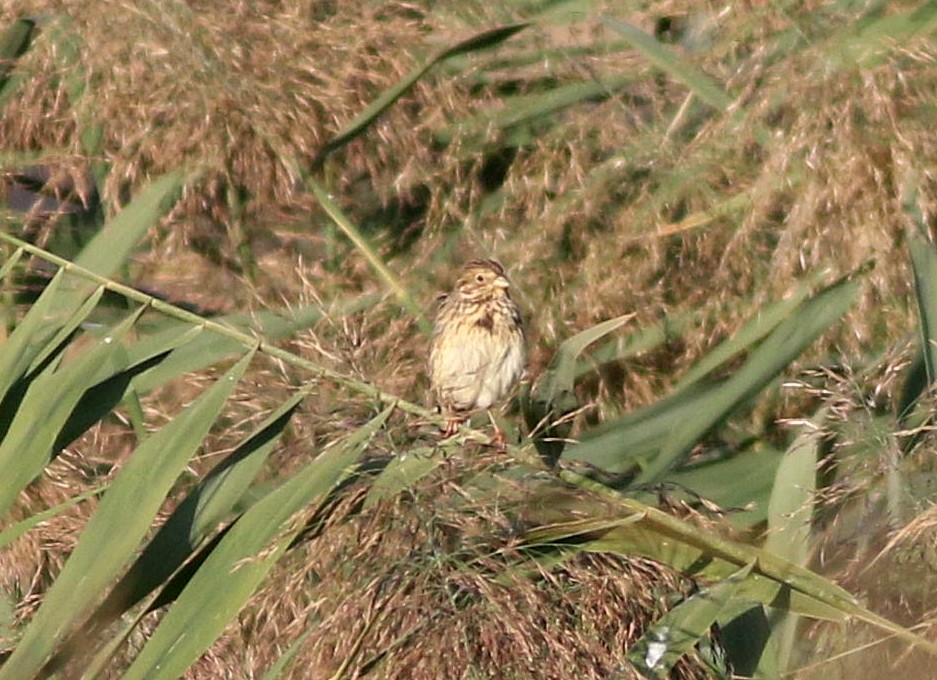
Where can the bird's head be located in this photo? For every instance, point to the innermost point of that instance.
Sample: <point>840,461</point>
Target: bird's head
<point>482,280</point>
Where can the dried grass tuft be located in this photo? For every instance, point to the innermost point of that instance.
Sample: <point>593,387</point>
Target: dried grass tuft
<point>588,216</point>
<point>433,585</point>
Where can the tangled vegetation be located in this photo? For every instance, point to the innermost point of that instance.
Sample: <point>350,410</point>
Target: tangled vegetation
<point>223,230</point>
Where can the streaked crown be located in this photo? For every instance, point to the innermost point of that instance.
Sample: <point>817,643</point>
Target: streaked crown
<point>482,280</point>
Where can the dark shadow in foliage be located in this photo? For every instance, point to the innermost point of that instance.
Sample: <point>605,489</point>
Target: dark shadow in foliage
<point>13,44</point>
<point>179,581</point>
<point>99,400</point>
<point>76,648</point>
<point>402,218</point>
<point>361,122</point>
<point>915,413</point>
<point>14,396</point>
<point>370,468</point>
<point>547,419</point>
<point>495,167</point>
<point>76,216</point>
<point>548,406</point>
<point>744,639</point>
<point>911,409</point>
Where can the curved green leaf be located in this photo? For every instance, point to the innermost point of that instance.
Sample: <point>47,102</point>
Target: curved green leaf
<point>785,343</point>
<point>205,507</point>
<point>661,56</point>
<point>13,532</point>
<point>365,248</point>
<point>13,43</point>
<point>360,123</point>
<point>676,633</point>
<point>920,377</point>
<point>402,472</point>
<point>752,332</point>
<point>924,265</point>
<point>112,246</point>
<point>241,560</point>
<point>130,504</point>
<point>547,404</point>
<point>46,408</point>
<point>524,109</point>
<point>648,532</point>
<point>790,524</point>
<point>31,336</point>
<point>660,436</point>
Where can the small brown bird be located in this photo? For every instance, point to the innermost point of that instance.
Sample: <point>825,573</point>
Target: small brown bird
<point>477,353</point>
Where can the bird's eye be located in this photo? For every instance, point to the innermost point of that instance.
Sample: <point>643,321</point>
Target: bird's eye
<point>480,278</point>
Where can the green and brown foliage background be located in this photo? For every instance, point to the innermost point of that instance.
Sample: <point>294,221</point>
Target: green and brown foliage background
<point>224,228</point>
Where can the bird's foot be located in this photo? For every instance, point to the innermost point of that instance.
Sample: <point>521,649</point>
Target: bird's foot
<point>452,426</point>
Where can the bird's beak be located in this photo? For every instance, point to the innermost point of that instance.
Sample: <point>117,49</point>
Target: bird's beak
<point>501,282</point>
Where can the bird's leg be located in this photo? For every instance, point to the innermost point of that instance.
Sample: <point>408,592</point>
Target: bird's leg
<point>452,425</point>
<point>498,438</point>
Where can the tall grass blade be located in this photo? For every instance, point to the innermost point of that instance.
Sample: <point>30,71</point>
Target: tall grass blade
<point>913,414</point>
<point>13,532</point>
<point>786,342</point>
<point>524,109</point>
<point>869,41</point>
<point>211,502</point>
<point>746,505</point>
<point>285,662</point>
<point>621,445</point>
<point>724,208</point>
<point>648,532</point>
<point>402,472</point>
<point>790,527</point>
<point>110,248</point>
<point>10,262</point>
<point>245,339</point>
<point>790,510</point>
<point>111,384</point>
<point>241,560</point>
<point>131,503</point>
<point>753,331</point>
<point>64,333</point>
<point>49,403</point>
<point>13,44</point>
<point>634,343</point>
<point>365,248</point>
<point>667,60</point>
<point>360,123</point>
<point>30,337</point>
<point>561,373</point>
<point>924,264</point>
<point>617,446</point>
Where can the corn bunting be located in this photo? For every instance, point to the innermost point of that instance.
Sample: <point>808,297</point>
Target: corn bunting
<point>477,352</point>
